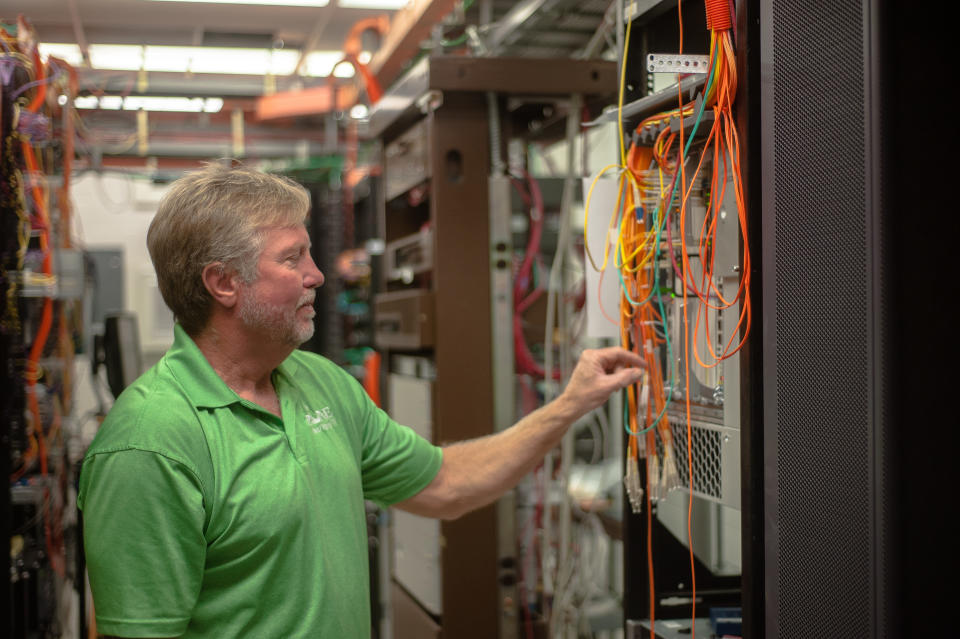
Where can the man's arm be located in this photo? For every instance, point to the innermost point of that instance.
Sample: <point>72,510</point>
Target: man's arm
<point>476,472</point>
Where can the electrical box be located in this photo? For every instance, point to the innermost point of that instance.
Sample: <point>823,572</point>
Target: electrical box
<point>416,558</point>
<point>409,256</point>
<point>404,319</point>
<point>71,273</point>
<point>108,292</point>
<point>407,160</point>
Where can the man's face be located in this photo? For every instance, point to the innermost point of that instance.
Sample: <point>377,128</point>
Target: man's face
<point>279,303</point>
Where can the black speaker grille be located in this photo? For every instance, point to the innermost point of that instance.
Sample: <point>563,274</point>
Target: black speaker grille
<point>824,576</point>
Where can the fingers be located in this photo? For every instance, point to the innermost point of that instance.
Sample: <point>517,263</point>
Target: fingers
<point>614,357</point>
<point>625,377</point>
<point>601,372</point>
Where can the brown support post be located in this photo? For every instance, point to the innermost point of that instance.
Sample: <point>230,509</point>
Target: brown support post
<point>464,387</point>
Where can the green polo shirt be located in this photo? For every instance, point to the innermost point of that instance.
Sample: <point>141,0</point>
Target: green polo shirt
<point>208,516</point>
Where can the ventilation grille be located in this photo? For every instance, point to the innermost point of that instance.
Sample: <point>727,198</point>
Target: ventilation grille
<point>822,570</point>
<point>707,479</point>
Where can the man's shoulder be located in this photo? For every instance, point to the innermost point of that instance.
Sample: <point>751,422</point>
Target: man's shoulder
<point>156,393</point>
<point>153,413</point>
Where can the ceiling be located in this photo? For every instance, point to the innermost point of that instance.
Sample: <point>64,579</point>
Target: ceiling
<point>188,24</point>
<point>537,28</point>
<point>509,28</point>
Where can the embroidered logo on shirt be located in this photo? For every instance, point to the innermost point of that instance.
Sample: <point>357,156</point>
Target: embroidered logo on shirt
<point>321,420</point>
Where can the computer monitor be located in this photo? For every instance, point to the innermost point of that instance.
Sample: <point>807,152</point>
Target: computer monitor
<point>121,350</point>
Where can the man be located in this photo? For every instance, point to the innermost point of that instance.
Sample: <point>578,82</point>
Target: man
<point>223,495</point>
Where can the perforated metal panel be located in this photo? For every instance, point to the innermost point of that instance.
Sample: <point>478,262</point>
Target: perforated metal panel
<point>819,300</point>
<point>716,458</point>
<point>707,480</point>
<point>706,458</point>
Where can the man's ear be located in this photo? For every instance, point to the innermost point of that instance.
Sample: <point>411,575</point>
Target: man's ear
<point>222,283</point>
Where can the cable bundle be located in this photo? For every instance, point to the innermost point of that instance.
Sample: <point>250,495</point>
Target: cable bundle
<point>29,139</point>
<point>653,184</point>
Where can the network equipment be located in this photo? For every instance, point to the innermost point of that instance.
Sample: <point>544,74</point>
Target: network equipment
<point>42,279</point>
<point>682,260</point>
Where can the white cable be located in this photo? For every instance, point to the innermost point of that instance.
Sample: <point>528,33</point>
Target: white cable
<point>596,434</point>
<point>115,206</point>
<point>555,285</point>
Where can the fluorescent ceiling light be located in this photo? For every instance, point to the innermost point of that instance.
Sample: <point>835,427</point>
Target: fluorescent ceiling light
<point>359,111</point>
<point>120,57</point>
<point>86,102</point>
<point>281,3</point>
<point>372,4</point>
<point>246,61</point>
<point>223,60</point>
<point>320,63</point>
<point>68,52</point>
<point>166,58</point>
<point>220,60</point>
<point>150,103</point>
<point>212,105</point>
<point>111,102</point>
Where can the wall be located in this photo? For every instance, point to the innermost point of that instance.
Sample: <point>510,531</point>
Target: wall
<point>113,211</point>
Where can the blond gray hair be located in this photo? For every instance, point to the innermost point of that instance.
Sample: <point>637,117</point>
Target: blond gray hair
<point>215,216</point>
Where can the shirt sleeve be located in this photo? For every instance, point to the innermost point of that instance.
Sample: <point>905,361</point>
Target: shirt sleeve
<point>143,523</point>
<point>397,462</point>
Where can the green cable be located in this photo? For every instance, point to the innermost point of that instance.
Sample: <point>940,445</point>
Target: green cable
<point>463,38</point>
<point>656,212</point>
<point>454,43</point>
<point>666,335</point>
<point>673,194</point>
<point>666,404</point>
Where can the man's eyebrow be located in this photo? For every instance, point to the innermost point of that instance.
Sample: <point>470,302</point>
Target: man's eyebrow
<point>296,247</point>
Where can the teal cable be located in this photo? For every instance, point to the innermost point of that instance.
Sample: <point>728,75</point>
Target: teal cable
<point>673,193</point>
<point>666,404</point>
<point>656,275</point>
<point>656,213</point>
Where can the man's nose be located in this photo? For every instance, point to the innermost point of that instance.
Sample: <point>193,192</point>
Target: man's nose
<point>313,277</point>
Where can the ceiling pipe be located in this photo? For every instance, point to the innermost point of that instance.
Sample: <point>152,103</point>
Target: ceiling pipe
<point>78,32</point>
<point>315,34</point>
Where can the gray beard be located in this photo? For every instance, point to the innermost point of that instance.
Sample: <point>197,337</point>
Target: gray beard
<point>281,325</point>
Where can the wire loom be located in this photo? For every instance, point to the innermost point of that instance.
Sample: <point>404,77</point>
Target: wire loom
<point>27,150</point>
<point>652,182</point>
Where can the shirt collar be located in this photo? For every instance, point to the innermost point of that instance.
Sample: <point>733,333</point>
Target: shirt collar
<point>200,382</point>
<point>287,370</point>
